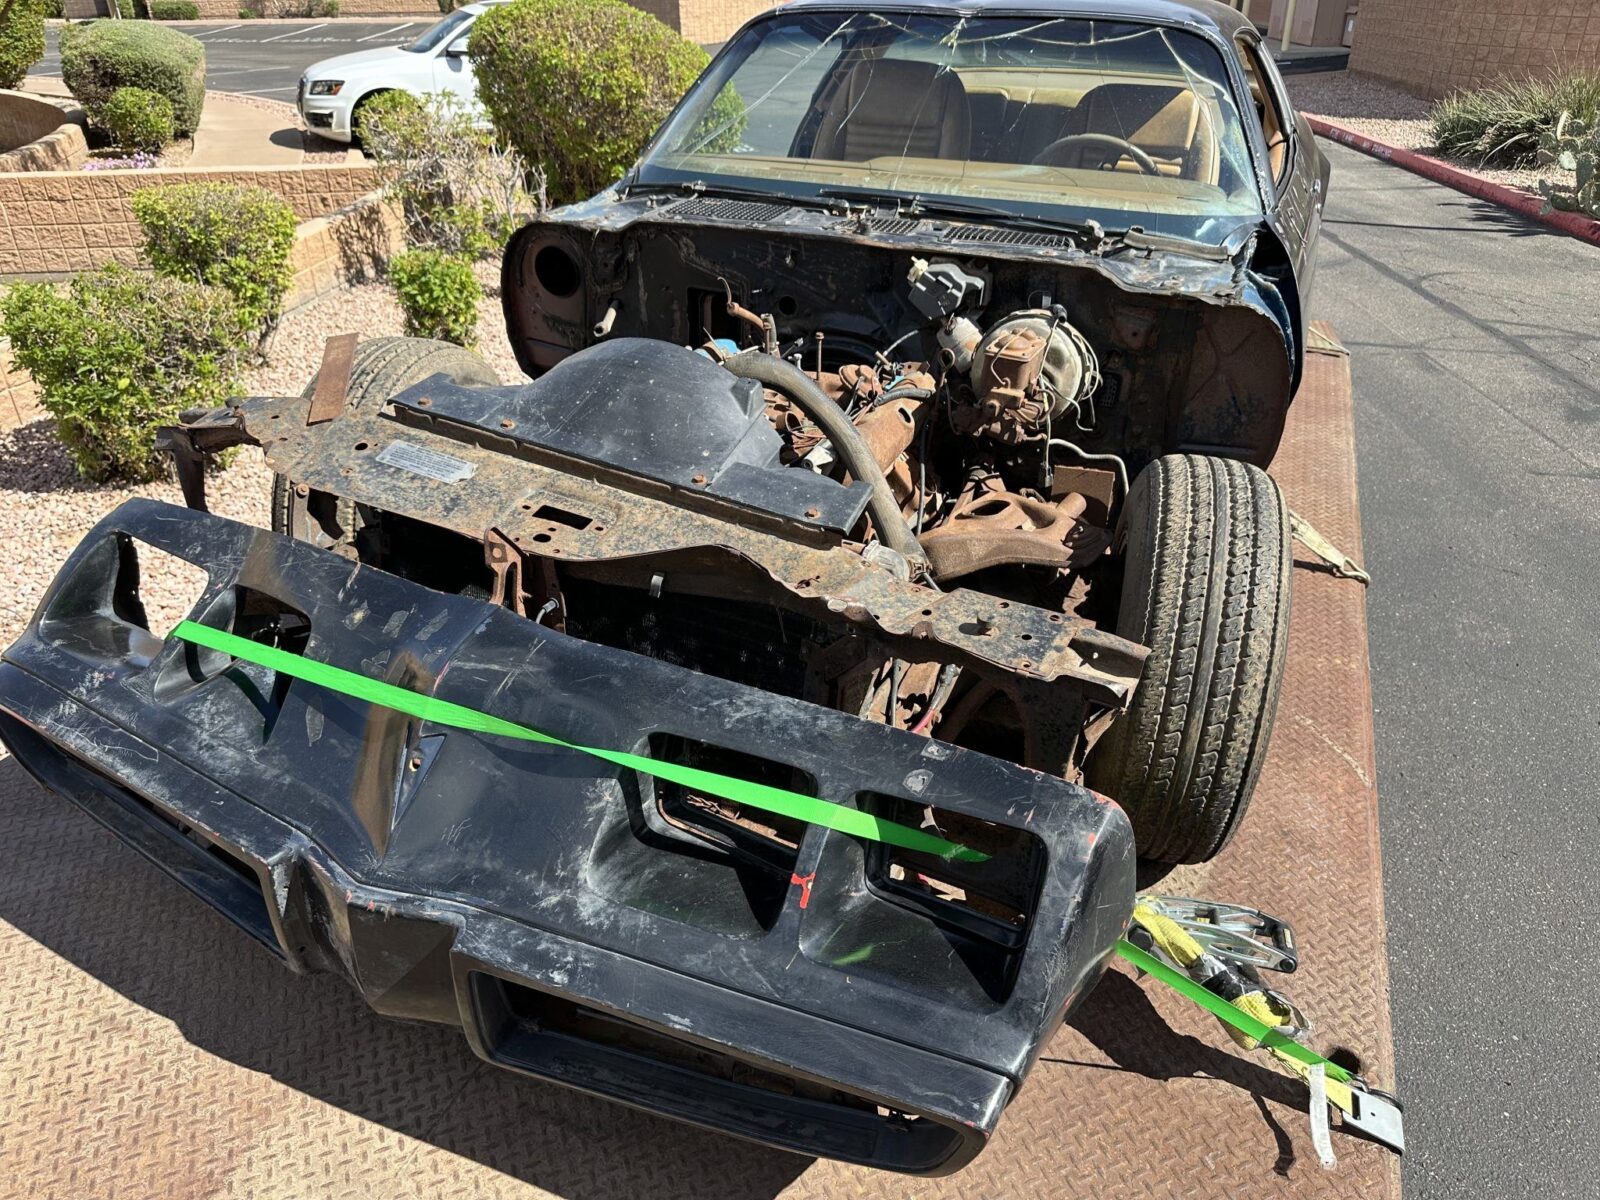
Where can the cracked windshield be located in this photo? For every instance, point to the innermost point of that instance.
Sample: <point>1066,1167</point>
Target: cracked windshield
<point>1114,120</point>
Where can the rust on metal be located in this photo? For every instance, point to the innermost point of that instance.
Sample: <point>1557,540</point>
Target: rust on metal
<point>226,1077</point>
<point>333,378</point>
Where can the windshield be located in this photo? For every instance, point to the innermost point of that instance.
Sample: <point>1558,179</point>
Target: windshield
<point>446,30</point>
<point>1067,117</point>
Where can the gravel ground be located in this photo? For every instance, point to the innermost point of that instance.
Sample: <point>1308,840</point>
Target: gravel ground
<point>1389,115</point>
<point>45,509</point>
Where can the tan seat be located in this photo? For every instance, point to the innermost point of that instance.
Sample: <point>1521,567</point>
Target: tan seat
<point>893,107</point>
<point>1169,123</point>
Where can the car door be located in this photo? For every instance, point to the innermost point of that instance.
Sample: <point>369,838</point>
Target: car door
<point>452,69</point>
<point>1296,173</point>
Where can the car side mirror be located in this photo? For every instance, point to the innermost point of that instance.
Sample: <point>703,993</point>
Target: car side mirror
<point>458,48</point>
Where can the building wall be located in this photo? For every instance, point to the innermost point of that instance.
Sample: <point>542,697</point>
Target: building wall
<point>697,20</point>
<point>54,222</point>
<point>1434,48</point>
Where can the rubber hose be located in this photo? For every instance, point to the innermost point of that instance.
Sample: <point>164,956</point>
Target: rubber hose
<point>803,392</point>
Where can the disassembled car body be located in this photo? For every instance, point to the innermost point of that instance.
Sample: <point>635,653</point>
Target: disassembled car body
<point>894,433</point>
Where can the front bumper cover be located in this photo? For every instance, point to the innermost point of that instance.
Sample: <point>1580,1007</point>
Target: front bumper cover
<point>535,897</point>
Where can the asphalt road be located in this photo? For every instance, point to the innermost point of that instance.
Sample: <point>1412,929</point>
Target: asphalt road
<point>267,58</point>
<point>1475,340</point>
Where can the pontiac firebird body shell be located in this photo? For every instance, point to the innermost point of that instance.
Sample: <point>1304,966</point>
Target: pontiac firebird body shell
<point>457,878</point>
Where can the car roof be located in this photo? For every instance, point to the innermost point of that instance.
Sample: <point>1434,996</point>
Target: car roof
<point>1206,14</point>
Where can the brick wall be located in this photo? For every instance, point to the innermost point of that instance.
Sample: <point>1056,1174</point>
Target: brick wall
<point>345,247</point>
<point>1433,48</point>
<point>19,403</point>
<point>52,222</point>
<point>697,20</point>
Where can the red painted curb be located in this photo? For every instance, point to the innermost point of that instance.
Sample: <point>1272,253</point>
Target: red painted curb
<point>1585,229</point>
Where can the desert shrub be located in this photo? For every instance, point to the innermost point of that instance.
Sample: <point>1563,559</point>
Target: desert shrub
<point>578,86</point>
<point>238,238</point>
<point>1500,125</point>
<point>21,39</point>
<point>438,293</point>
<point>102,56</point>
<point>461,191</point>
<point>136,119</point>
<point>120,353</point>
<point>1573,145</point>
<point>174,10</point>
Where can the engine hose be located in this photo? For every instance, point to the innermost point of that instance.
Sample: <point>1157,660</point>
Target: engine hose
<point>848,446</point>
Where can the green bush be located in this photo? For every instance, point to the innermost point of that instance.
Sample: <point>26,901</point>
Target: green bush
<point>238,238</point>
<point>120,353</point>
<point>174,10</point>
<point>55,9</point>
<point>438,293</point>
<point>21,39</point>
<point>1501,125</point>
<point>579,86</point>
<point>102,56</point>
<point>136,119</point>
<point>459,189</point>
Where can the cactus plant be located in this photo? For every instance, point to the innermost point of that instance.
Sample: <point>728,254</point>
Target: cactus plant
<point>1573,145</point>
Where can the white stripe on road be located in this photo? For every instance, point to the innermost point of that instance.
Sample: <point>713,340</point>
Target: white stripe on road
<point>294,33</point>
<point>239,71</point>
<point>224,29</point>
<point>386,32</point>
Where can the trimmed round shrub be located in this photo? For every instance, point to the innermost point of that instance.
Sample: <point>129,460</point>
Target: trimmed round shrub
<point>238,238</point>
<point>120,353</point>
<point>136,119</point>
<point>579,86</point>
<point>21,40</point>
<point>438,293</point>
<point>102,56</point>
<point>174,10</point>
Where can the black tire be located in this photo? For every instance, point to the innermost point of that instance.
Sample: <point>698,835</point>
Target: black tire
<point>382,367</point>
<point>1205,585</point>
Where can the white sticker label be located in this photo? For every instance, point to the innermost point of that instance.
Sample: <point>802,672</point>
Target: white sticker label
<point>430,463</point>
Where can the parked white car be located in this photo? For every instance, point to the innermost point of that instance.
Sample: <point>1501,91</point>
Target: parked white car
<point>332,90</point>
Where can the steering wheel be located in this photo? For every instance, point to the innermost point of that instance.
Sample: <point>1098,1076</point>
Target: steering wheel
<point>1049,156</point>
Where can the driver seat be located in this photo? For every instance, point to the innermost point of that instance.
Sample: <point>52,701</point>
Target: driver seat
<point>889,107</point>
<point>1167,122</point>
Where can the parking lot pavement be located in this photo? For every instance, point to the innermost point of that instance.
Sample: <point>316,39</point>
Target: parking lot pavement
<point>267,58</point>
<point>1476,354</point>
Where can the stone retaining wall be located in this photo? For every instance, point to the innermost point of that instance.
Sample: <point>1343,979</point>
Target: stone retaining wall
<point>38,134</point>
<point>56,222</point>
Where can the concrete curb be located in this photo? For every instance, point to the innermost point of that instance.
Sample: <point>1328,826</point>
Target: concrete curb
<point>1585,229</point>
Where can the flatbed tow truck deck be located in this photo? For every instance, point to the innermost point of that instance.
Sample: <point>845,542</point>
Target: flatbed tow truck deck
<point>148,1050</point>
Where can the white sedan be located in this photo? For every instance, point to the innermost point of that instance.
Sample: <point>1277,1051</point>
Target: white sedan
<point>332,90</point>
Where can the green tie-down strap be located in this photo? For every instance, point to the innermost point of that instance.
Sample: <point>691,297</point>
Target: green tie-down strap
<point>1214,1004</point>
<point>809,809</point>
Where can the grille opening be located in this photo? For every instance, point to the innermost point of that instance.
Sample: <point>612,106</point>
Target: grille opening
<point>610,1053</point>
<point>991,900</point>
<point>940,925</point>
<point>209,870</point>
<point>700,859</point>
